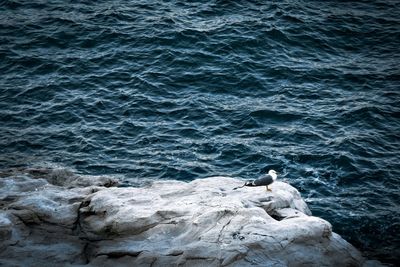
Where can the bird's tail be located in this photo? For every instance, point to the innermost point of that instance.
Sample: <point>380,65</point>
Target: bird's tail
<point>238,187</point>
<point>248,183</point>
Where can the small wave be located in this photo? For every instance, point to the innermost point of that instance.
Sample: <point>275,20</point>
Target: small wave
<point>273,115</point>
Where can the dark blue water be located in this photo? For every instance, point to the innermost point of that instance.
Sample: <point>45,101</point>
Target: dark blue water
<point>174,90</point>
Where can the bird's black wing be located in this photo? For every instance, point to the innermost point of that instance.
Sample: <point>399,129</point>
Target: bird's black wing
<point>265,180</point>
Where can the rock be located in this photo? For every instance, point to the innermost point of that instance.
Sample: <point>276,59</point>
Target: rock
<point>76,221</point>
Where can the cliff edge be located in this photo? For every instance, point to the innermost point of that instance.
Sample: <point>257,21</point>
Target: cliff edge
<point>57,218</point>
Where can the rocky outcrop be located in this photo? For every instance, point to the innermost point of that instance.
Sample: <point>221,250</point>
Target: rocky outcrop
<point>56,218</point>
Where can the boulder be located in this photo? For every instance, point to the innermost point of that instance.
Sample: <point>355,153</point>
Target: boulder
<point>75,221</point>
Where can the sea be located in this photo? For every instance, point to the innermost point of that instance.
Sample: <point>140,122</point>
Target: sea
<point>183,90</point>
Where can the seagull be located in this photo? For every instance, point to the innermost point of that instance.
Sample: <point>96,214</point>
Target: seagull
<point>265,180</point>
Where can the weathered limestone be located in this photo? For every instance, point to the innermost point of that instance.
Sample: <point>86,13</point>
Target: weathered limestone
<point>54,218</point>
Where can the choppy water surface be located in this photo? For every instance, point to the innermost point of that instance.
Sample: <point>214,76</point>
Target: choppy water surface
<point>175,90</point>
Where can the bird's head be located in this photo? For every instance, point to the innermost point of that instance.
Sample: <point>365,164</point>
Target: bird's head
<point>273,173</point>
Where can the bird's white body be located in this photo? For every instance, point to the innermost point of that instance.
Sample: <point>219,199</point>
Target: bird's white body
<point>273,174</point>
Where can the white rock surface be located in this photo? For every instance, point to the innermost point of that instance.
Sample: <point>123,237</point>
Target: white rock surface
<point>55,218</point>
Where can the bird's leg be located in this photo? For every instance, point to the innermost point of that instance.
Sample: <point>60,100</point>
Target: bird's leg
<point>268,189</point>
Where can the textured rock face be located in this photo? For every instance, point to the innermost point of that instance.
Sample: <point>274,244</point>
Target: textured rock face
<point>201,223</point>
